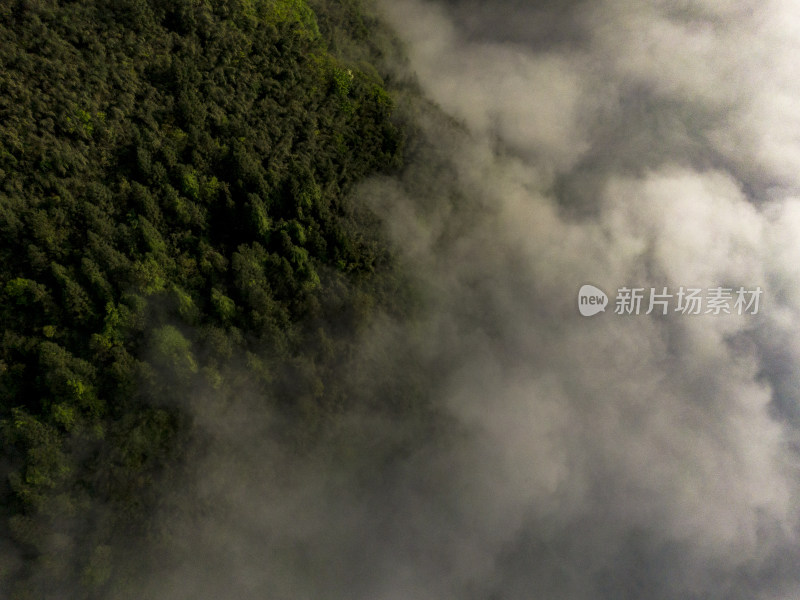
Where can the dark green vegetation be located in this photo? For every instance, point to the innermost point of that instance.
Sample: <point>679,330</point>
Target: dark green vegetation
<point>174,179</point>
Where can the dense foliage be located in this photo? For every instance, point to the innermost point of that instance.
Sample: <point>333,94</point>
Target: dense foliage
<point>174,179</point>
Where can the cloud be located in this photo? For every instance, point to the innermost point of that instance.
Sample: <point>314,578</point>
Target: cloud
<point>657,440</point>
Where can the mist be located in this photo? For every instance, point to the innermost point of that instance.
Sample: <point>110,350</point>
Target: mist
<point>614,456</point>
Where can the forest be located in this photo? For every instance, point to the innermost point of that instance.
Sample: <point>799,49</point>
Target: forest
<point>177,224</point>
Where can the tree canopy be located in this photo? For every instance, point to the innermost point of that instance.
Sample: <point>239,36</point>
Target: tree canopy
<point>174,198</point>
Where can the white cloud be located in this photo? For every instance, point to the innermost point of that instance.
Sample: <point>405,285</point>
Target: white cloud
<point>664,428</point>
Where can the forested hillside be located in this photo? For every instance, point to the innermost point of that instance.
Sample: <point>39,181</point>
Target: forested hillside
<point>174,179</point>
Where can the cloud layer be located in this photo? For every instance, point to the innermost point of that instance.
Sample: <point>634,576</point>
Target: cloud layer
<point>607,142</point>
